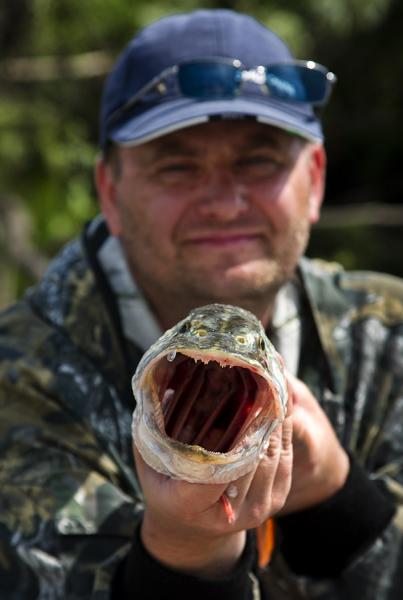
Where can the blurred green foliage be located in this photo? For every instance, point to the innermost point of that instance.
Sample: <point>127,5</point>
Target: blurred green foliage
<point>374,247</point>
<point>49,109</point>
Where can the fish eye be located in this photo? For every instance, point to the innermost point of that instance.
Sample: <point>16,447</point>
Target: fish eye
<point>200,332</point>
<point>240,339</point>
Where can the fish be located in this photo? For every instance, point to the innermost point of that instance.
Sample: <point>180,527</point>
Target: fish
<point>209,393</point>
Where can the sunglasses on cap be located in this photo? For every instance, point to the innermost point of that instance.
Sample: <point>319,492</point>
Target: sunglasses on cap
<point>218,79</point>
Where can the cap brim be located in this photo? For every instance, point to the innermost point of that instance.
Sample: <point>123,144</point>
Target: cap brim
<point>184,112</point>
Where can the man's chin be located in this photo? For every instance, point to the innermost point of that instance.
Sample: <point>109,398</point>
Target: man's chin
<point>243,282</point>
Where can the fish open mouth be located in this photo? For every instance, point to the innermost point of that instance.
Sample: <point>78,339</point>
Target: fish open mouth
<point>209,404</point>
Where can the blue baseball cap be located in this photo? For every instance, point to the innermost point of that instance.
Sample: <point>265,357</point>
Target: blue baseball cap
<point>182,39</point>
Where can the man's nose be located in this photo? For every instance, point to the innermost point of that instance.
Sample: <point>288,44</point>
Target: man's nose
<point>222,197</point>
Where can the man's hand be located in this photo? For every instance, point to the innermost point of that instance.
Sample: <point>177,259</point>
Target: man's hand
<point>185,526</point>
<point>321,465</point>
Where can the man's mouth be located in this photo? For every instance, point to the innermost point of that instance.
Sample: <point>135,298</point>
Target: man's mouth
<point>225,239</point>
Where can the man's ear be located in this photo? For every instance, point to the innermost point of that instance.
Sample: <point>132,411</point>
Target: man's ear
<point>317,170</point>
<point>105,181</point>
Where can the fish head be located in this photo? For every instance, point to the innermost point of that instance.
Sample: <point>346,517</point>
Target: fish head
<point>209,393</point>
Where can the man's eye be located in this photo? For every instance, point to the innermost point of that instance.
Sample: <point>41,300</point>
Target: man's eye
<point>260,166</point>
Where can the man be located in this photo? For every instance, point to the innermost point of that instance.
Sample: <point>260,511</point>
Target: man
<point>212,173</point>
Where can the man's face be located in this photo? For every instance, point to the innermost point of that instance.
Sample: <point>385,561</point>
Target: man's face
<point>216,212</point>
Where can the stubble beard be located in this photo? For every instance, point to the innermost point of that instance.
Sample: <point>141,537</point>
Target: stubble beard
<point>251,281</point>
<point>250,284</point>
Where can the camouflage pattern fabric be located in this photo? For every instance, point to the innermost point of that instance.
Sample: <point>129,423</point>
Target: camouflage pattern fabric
<point>69,498</point>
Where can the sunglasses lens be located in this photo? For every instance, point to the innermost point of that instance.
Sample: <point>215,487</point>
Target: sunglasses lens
<point>297,83</point>
<point>209,80</point>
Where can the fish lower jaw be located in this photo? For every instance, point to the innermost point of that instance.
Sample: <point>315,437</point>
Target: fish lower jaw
<point>193,463</point>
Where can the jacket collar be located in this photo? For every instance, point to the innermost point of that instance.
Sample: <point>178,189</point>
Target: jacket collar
<point>329,309</point>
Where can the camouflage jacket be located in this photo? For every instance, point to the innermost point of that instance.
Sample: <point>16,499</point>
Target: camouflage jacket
<point>69,500</point>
